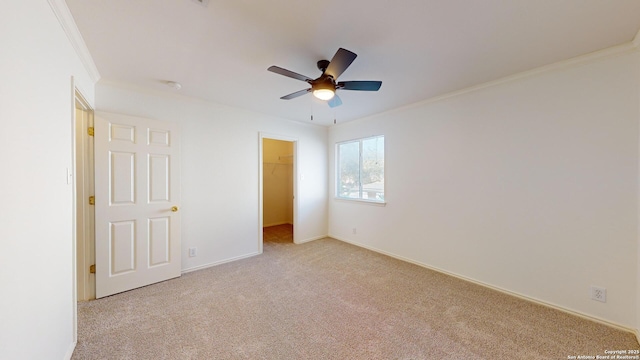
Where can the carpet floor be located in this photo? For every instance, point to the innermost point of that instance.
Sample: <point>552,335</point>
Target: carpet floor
<point>330,300</point>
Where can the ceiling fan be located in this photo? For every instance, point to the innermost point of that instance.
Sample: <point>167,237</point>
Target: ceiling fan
<point>325,87</point>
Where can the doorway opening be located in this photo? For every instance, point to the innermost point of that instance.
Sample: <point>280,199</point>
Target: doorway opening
<point>277,189</point>
<point>85,214</point>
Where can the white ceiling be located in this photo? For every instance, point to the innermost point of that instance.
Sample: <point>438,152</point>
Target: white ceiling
<point>417,48</point>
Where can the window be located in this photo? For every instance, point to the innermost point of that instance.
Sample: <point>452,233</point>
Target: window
<point>360,169</point>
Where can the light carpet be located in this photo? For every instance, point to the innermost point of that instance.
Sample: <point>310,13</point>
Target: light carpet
<point>330,300</point>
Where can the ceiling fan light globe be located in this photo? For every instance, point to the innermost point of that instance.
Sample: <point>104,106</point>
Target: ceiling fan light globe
<point>324,94</point>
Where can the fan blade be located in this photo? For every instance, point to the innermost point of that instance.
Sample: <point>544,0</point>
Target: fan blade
<point>288,73</point>
<point>335,101</point>
<point>360,85</point>
<point>340,62</point>
<point>295,94</point>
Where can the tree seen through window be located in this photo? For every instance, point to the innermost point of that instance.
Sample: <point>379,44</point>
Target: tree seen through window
<point>361,169</point>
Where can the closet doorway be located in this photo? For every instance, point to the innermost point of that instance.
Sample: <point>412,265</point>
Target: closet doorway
<point>277,185</point>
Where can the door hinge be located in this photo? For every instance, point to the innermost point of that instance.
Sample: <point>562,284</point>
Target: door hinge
<point>92,200</point>
<point>92,269</point>
<point>90,131</point>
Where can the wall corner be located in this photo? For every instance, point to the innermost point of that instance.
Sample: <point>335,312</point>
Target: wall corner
<point>61,10</point>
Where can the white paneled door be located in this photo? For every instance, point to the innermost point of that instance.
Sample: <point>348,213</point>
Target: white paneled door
<point>137,197</point>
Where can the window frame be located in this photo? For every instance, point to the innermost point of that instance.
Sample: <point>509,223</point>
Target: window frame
<point>360,142</point>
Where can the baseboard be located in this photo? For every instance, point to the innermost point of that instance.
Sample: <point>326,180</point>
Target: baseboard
<point>309,239</point>
<point>504,291</point>
<point>70,351</point>
<point>201,267</point>
<point>277,223</point>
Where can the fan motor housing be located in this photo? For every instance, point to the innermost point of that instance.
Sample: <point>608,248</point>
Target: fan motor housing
<point>324,82</point>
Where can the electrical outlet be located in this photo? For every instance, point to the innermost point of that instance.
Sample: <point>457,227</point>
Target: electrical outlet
<point>598,293</point>
<point>193,252</point>
<point>354,231</point>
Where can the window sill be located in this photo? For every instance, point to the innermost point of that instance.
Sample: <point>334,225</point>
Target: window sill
<point>361,201</point>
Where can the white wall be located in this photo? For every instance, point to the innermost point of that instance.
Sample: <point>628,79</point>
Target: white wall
<point>636,41</point>
<point>220,170</point>
<point>530,185</point>
<point>36,226</point>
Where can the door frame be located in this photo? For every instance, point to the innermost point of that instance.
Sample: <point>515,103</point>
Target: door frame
<point>77,99</point>
<point>85,214</point>
<point>261,137</point>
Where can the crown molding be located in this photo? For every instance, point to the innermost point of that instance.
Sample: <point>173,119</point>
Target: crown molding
<point>563,64</point>
<point>61,10</point>
<point>575,61</point>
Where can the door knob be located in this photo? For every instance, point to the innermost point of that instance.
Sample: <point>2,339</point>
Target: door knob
<point>174,208</point>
